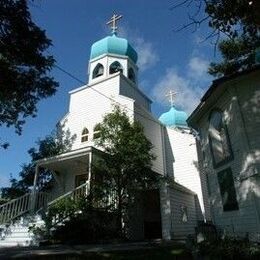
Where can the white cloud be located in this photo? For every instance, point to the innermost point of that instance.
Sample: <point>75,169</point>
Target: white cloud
<point>198,67</point>
<point>147,55</point>
<point>189,86</point>
<point>188,95</point>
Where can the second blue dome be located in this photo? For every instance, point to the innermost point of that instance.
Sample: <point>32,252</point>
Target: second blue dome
<point>174,118</point>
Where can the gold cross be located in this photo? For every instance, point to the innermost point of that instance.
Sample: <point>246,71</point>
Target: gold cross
<point>171,94</point>
<point>112,22</point>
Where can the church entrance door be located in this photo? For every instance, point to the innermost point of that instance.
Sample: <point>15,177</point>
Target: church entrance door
<point>152,214</point>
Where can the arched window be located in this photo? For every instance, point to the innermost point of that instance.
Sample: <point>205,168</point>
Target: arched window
<point>98,71</point>
<point>184,214</point>
<point>84,135</point>
<point>96,133</point>
<point>115,67</point>
<point>219,139</point>
<point>131,75</point>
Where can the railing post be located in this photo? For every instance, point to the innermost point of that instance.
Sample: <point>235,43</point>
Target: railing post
<point>89,173</point>
<point>33,194</point>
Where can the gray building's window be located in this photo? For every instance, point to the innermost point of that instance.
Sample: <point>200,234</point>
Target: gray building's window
<point>208,184</point>
<point>219,140</point>
<point>184,214</point>
<point>227,190</point>
<point>98,71</point>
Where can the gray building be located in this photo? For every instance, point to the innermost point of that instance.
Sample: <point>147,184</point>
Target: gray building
<point>228,122</point>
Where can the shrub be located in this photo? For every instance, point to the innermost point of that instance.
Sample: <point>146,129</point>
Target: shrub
<point>91,226</point>
<point>80,222</point>
<point>229,248</point>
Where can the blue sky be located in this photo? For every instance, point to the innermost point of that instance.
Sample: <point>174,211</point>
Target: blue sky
<point>167,60</point>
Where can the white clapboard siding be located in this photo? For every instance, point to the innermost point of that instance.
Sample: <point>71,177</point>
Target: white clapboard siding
<point>154,132</point>
<point>129,89</point>
<point>184,161</point>
<point>180,198</point>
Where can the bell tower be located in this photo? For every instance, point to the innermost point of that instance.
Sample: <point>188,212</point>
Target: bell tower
<point>111,55</point>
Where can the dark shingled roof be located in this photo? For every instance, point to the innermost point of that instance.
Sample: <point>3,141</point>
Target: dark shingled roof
<point>221,80</point>
<point>217,82</point>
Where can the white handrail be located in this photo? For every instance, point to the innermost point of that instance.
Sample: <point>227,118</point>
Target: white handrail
<point>34,202</point>
<point>17,207</point>
<point>75,193</point>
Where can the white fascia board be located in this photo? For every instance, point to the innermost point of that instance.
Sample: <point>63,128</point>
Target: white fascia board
<point>65,156</point>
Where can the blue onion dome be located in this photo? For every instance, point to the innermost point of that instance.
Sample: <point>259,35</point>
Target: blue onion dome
<point>174,118</point>
<point>113,45</point>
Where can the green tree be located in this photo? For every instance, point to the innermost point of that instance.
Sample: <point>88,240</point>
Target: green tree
<point>57,142</point>
<point>237,54</point>
<point>126,168</point>
<point>235,20</point>
<point>239,20</point>
<point>24,65</point>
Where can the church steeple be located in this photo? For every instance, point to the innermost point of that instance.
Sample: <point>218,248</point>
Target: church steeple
<point>112,54</point>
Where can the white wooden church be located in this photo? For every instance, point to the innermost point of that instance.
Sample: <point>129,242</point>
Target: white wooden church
<point>173,210</point>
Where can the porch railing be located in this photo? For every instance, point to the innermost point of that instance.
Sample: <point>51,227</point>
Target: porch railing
<point>35,202</point>
<point>75,194</point>
<point>17,207</point>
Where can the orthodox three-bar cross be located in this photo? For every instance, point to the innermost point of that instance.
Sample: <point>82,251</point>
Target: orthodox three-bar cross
<point>172,95</point>
<point>113,20</point>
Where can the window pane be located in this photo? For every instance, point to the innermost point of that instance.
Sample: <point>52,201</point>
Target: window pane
<point>96,133</point>
<point>98,71</point>
<point>218,138</point>
<point>85,131</point>
<point>227,190</point>
<point>184,214</point>
<point>115,67</point>
<point>84,135</point>
<point>84,138</point>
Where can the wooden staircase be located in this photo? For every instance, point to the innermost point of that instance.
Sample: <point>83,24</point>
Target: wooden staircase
<point>30,205</point>
<point>18,207</point>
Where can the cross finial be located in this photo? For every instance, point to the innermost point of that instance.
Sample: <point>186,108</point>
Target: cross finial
<point>172,95</point>
<point>112,22</point>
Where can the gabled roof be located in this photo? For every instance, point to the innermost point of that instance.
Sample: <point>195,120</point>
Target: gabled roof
<point>216,83</point>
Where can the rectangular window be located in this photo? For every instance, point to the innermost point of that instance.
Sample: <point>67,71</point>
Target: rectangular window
<point>227,190</point>
<point>208,184</point>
